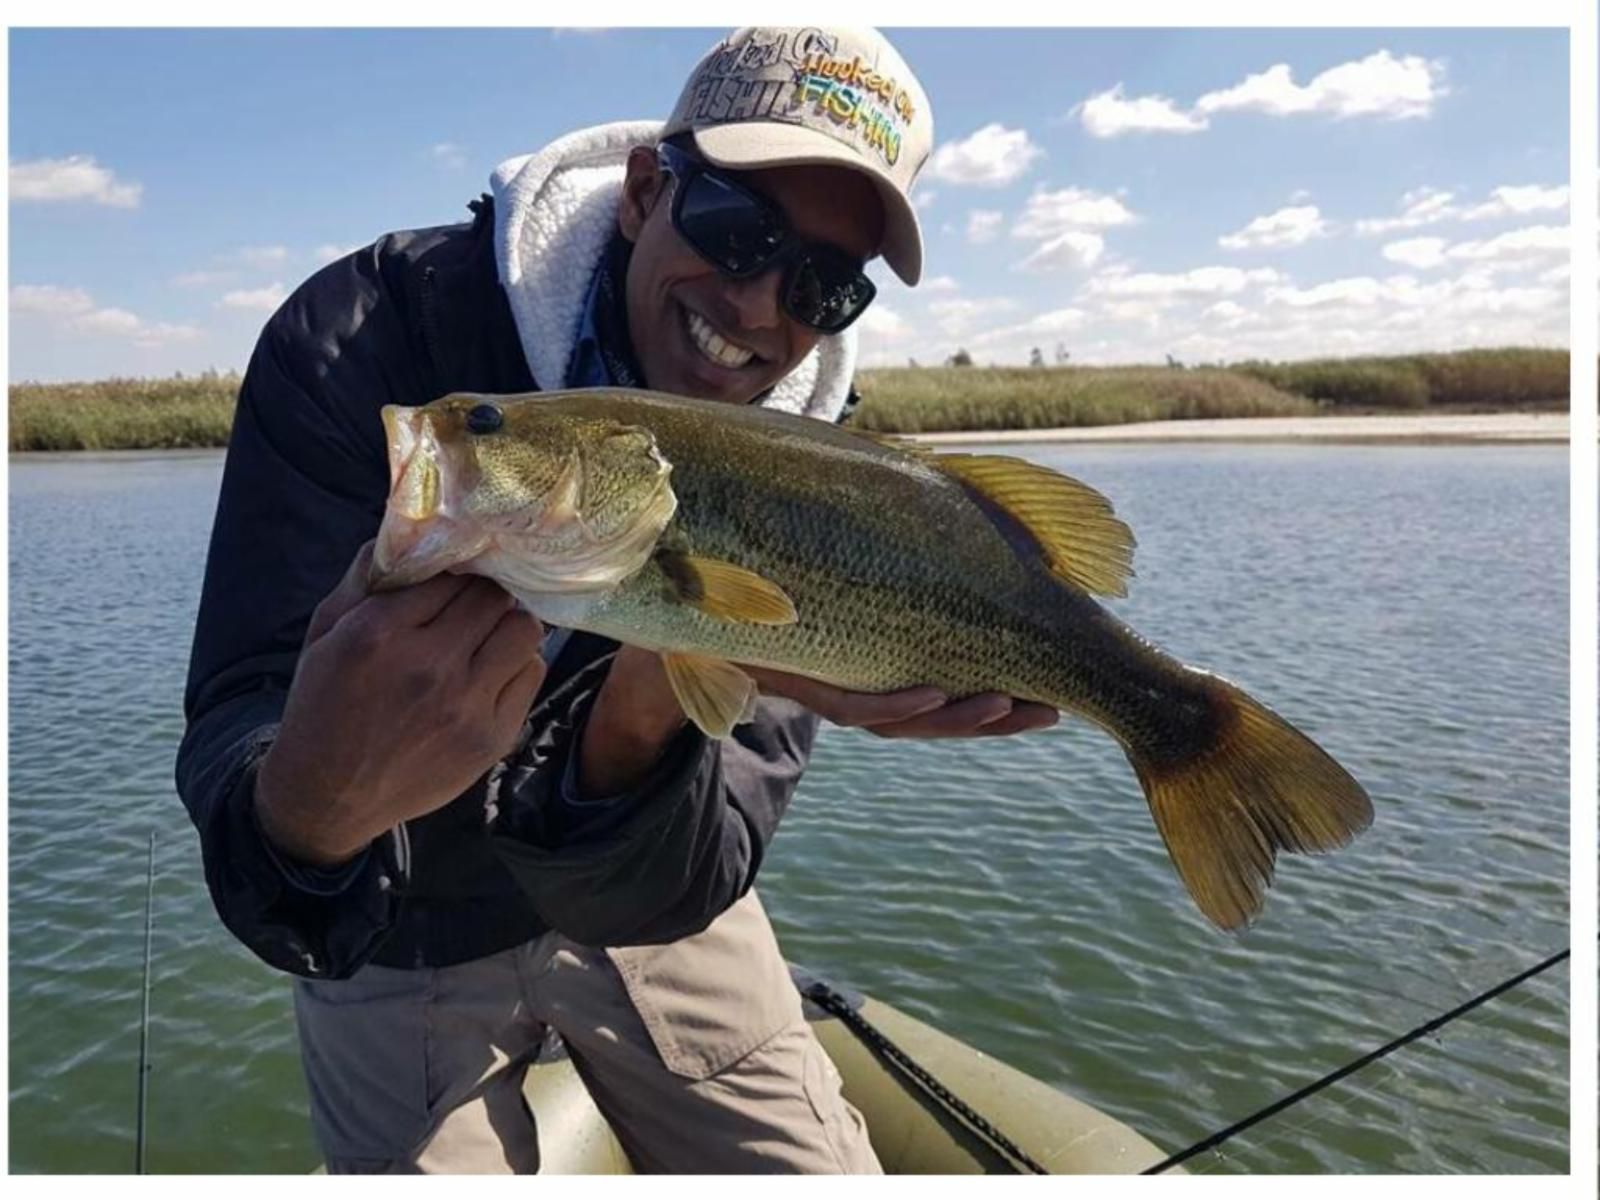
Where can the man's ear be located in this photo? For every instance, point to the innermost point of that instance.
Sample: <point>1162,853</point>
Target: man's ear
<point>642,187</point>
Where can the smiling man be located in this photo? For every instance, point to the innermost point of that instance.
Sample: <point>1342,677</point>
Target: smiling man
<point>457,829</point>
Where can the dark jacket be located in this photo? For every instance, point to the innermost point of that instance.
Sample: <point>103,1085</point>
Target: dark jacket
<point>410,318</point>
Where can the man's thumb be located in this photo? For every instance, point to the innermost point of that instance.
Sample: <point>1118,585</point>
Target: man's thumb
<point>349,592</point>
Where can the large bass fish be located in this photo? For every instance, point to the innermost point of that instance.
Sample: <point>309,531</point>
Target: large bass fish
<point>717,534</point>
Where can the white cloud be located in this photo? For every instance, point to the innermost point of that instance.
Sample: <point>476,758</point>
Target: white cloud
<point>1108,115</point>
<point>1559,273</point>
<point>77,177</point>
<point>449,155</point>
<point>328,252</point>
<point>1421,206</point>
<point>940,283</point>
<point>264,299</point>
<point>1201,281</point>
<point>1515,248</point>
<point>1225,310</point>
<point>1517,201</point>
<point>992,157</point>
<point>1050,214</point>
<point>1286,227</point>
<point>1061,320</point>
<point>1421,253</point>
<point>983,225</point>
<point>1362,290</point>
<point>1379,85</point>
<point>73,310</point>
<point>882,323</point>
<point>956,317</point>
<point>48,300</point>
<point>201,278</point>
<point>108,320</point>
<point>924,199</point>
<point>261,258</point>
<point>1072,250</point>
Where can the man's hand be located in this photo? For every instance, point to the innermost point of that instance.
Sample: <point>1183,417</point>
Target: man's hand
<point>922,712</point>
<point>399,702</point>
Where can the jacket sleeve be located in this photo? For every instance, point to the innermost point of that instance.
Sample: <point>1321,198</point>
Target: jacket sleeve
<point>664,859</point>
<point>303,486</point>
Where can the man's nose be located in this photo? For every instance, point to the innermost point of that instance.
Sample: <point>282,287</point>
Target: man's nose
<point>756,299</point>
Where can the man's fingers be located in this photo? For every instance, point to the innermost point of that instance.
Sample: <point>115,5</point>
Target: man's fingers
<point>516,697</point>
<point>957,719</point>
<point>418,604</point>
<point>1024,718</point>
<point>505,652</point>
<point>842,707</point>
<point>988,715</point>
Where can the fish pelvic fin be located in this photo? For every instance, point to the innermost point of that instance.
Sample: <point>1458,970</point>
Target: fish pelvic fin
<point>1256,785</point>
<point>715,694</point>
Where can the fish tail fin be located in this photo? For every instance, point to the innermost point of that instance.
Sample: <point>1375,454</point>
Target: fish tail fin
<point>1232,790</point>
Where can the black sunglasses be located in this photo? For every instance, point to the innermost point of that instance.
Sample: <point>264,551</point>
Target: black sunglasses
<point>742,233</point>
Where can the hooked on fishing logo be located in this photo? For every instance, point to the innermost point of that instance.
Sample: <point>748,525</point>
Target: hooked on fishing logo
<point>846,90</point>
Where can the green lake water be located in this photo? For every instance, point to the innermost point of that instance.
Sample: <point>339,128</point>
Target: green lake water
<point>1406,606</point>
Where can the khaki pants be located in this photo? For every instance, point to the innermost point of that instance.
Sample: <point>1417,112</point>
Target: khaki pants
<point>696,1052</point>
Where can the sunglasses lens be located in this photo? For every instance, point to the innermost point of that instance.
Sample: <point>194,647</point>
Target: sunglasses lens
<point>727,226</point>
<point>827,291</point>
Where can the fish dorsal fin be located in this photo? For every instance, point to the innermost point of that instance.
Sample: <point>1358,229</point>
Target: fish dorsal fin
<point>721,589</point>
<point>1080,538</point>
<point>715,694</point>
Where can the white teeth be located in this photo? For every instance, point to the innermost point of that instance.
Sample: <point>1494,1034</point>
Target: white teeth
<point>714,346</point>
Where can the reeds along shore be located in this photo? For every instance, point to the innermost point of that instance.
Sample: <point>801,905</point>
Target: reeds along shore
<point>178,413</point>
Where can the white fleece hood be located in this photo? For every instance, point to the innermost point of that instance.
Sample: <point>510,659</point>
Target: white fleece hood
<point>554,213</point>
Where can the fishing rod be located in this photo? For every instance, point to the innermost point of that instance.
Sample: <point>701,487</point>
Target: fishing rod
<point>1350,1068</point>
<point>144,1019</point>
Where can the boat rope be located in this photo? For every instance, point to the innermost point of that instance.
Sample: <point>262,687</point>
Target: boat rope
<point>1333,1077</point>
<point>144,1019</point>
<point>825,998</point>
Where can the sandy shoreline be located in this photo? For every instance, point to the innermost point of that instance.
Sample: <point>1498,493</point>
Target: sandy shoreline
<point>1436,429</point>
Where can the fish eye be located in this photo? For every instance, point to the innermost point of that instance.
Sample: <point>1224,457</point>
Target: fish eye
<point>485,418</point>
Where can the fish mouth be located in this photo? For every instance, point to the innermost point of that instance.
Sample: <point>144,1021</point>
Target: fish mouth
<point>413,462</point>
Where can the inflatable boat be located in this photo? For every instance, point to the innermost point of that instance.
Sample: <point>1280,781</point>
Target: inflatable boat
<point>933,1105</point>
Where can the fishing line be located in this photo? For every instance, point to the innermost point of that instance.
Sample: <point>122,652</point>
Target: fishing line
<point>144,1019</point>
<point>1342,1108</point>
<point>1336,1108</point>
<point>1350,1068</point>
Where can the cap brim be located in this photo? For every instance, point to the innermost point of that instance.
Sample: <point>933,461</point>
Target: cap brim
<point>754,145</point>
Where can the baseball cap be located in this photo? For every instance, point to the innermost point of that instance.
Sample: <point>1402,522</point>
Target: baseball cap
<point>792,96</point>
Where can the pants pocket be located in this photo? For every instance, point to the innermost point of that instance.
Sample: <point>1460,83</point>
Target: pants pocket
<point>708,1000</point>
<point>363,1047</point>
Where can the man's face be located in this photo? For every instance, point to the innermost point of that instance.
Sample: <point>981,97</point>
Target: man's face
<point>675,296</point>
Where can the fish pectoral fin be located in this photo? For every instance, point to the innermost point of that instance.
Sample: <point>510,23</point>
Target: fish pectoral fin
<point>715,694</point>
<point>1075,531</point>
<point>721,589</point>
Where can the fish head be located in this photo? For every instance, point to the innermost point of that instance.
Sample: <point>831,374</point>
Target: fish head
<point>529,491</point>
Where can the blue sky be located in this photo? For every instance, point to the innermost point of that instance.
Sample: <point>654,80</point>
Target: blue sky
<point>1123,194</point>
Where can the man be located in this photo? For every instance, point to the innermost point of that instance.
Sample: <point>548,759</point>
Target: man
<point>458,829</point>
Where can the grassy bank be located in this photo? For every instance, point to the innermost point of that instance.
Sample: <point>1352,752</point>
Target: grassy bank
<point>137,414</point>
<point>1467,381</point>
<point>123,414</point>
<point>927,400</point>
<point>932,399</point>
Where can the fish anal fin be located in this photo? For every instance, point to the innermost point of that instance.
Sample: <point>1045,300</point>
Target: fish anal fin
<point>722,589</point>
<point>715,694</point>
<point>1076,533</point>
